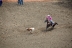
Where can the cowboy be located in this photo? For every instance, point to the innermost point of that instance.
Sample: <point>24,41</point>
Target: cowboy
<point>49,18</point>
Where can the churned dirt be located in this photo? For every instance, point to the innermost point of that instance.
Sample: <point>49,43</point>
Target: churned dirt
<point>14,19</point>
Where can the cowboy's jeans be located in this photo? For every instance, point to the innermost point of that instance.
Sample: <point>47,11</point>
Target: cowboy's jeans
<point>20,2</point>
<point>0,3</point>
<point>52,22</point>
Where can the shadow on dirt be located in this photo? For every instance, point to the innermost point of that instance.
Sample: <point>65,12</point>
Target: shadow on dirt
<point>49,29</point>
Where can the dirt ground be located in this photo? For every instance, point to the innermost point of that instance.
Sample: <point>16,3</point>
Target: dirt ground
<point>14,19</point>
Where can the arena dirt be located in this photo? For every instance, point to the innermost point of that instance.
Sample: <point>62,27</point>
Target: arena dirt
<point>14,19</point>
